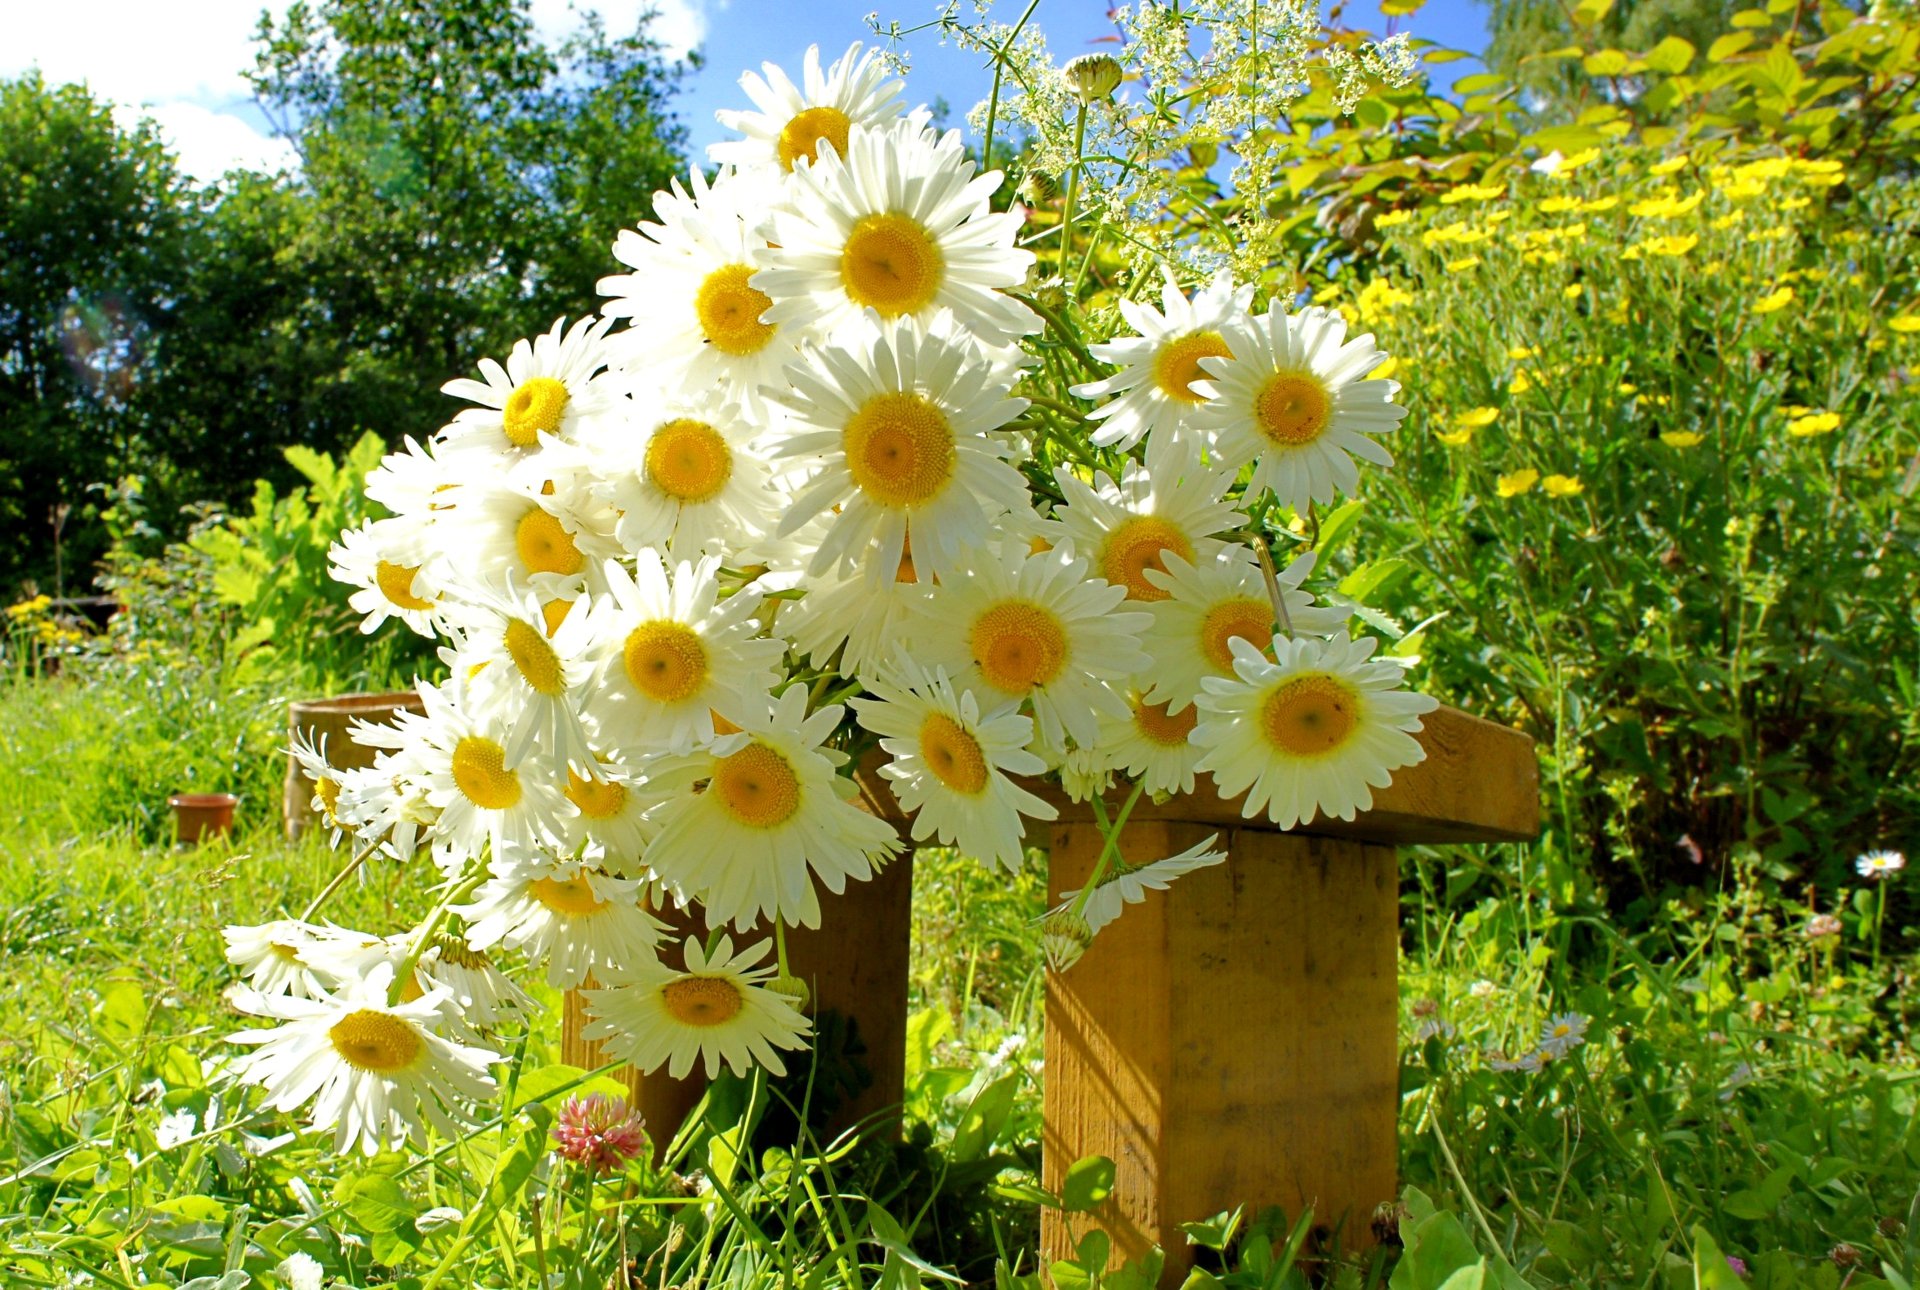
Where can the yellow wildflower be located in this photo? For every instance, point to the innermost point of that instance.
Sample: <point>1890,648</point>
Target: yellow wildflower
<point>1728,220</point>
<point>1520,353</point>
<point>1517,483</point>
<point>1626,388</point>
<point>1379,298</point>
<point>1329,292</point>
<point>1477,419</point>
<point>1555,205</point>
<point>1391,219</point>
<point>1472,193</point>
<point>1521,382</point>
<point>1773,234</point>
<point>1774,301</point>
<point>1572,291</point>
<point>1386,369</point>
<point>1668,166</point>
<point>1813,424</point>
<point>1569,164</point>
<point>1562,486</point>
<point>1454,438</point>
<point>1600,204</point>
<point>1793,204</point>
<point>1671,245</point>
<point>1681,438</point>
<point>1463,264</point>
<point>1905,324</point>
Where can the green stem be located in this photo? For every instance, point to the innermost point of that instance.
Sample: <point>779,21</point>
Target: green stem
<point>1110,850</point>
<point>780,945</point>
<point>405,972</point>
<point>1073,187</point>
<point>338,880</point>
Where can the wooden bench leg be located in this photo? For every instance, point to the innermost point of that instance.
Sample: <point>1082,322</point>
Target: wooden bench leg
<point>1231,1041</point>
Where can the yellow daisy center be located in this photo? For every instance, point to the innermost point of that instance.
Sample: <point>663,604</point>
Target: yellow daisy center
<point>554,612</point>
<point>1018,645</point>
<point>666,661</point>
<point>597,799</point>
<point>535,405</point>
<point>286,953</point>
<point>802,136</point>
<point>757,787</point>
<point>1245,617</point>
<point>891,263</point>
<point>1151,720</point>
<point>328,791</point>
<point>396,584</point>
<point>688,460</point>
<point>538,663</point>
<point>480,772</point>
<point>375,1041</point>
<point>571,896</point>
<point>545,546</point>
<point>1177,366</point>
<point>953,753</point>
<point>729,311</point>
<point>900,449</point>
<point>1136,545</point>
<point>1310,716</point>
<point>1292,408</point>
<point>702,1000</point>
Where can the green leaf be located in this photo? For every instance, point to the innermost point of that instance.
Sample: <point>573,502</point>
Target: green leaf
<point>986,1116</point>
<point>1607,62</point>
<point>1711,1271</point>
<point>1589,12</point>
<point>1751,19</point>
<point>377,1203</point>
<point>1671,56</point>
<point>1337,528</point>
<point>1727,46</point>
<point>1215,1233</point>
<point>1089,1182</point>
<point>122,1012</point>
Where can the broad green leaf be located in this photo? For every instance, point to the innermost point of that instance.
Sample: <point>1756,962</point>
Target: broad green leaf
<point>1727,46</point>
<point>1089,1181</point>
<point>1607,62</point>
<point>377,1203</point>
<point>1671,56</point>
<point>981,1125</point>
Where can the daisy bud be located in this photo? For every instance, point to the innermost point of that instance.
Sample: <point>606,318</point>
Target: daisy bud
<point>793,990</point>
<point>1065,937</point>
<point>1092,77</point>
<point>598,1133</point>
<point>1039,187</point>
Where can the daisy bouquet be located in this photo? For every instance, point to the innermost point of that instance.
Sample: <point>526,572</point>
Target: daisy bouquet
<point>845,469</point>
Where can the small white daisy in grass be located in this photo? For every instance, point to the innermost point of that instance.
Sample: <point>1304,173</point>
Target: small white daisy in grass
<point>850,614</point>
<point>693,319</point>
<point>1563,1033</point>
<point>285,956</point>
<point>756,816</point>
<point>610,826</point>
<point>1172,505</point>
<point>1879,864</point>
<point>575,920</point>
<point>892,421</point>
<point>899,225</point>
<point>792,121</point>
<point>1310,731</point>
<point>376,1074</point>
<point>1207,606</point>
<point>951,761</point>
<point>549,388</point>
<point>460,749</point>
<point>1035,627</point>
<point>673,655</point>
<point>1295,401</point>
<point>532,676</point>
<point>1152,744</point>
<point>388,564</point>
<point>717,1012</point>
<point>1160,365</point>
<point>499,529</point>
<point>1125,884</point>
<point>685,478</point>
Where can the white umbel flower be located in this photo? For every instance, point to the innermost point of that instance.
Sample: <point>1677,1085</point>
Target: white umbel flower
<point>1294,400</point>
<point>1208,605</point>
<point>1126,884</point>
<point>374,1072</point>
<point>1170,506</point>
<point>672,655</point>
<point>1311,731</point>
<point>895,421</point>
<point>1160,366</point>
<point>951,762</point>
<point>901,226</point>
<point>1039,628</point>
<point>549,388</point>
<point>759,815</point>
<point>718,1010</point>
<point>576,921</point>
<point>794,120</point>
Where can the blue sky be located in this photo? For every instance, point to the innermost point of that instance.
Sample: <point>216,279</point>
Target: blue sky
<point>180,61</point>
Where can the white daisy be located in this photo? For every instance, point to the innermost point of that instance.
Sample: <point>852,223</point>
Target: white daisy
<point>718,1010</point>
<point>1170,506</point>
<point>900,226</point>
<point>672,655</point>
<point>951,762</point>
<point>483,995</point>
<point>1563,1033</point>
<point>684,478</point>
<point>758,815</point>
<point>1294,400</point>
<point>1126,884</point>
<point>549,388</point>
<point>499,528</point>
<point>1311,732</point>
<point>1879,864</point>
<point>412,482</point>
<point>388,803</point>
<point>577,921</point>
<point>848,612</point>
<point>325,801</point>
<point>896,419</point>
<point>611,818</point>
<point>387,562</point>
<point>794,120</point>
<point>285,956</point>
<point>693,318</point>
<point>462,752</point>
<point>1160,366</point>
<point>532,673</point>
<point>1035,627</point>
<point>373,1071</point>
<point>1209,605</point>
<point>1153,745</point>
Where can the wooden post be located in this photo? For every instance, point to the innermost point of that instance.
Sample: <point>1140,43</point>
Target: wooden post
<point>854,963</point>
<point>1234,1039</point>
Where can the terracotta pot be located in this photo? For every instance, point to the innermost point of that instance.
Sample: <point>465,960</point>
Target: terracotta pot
<point>333,720</point>
<point>199,816</point>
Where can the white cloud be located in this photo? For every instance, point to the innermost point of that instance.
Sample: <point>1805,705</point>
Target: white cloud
<point>679,25</point>
<point>210,143</point>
